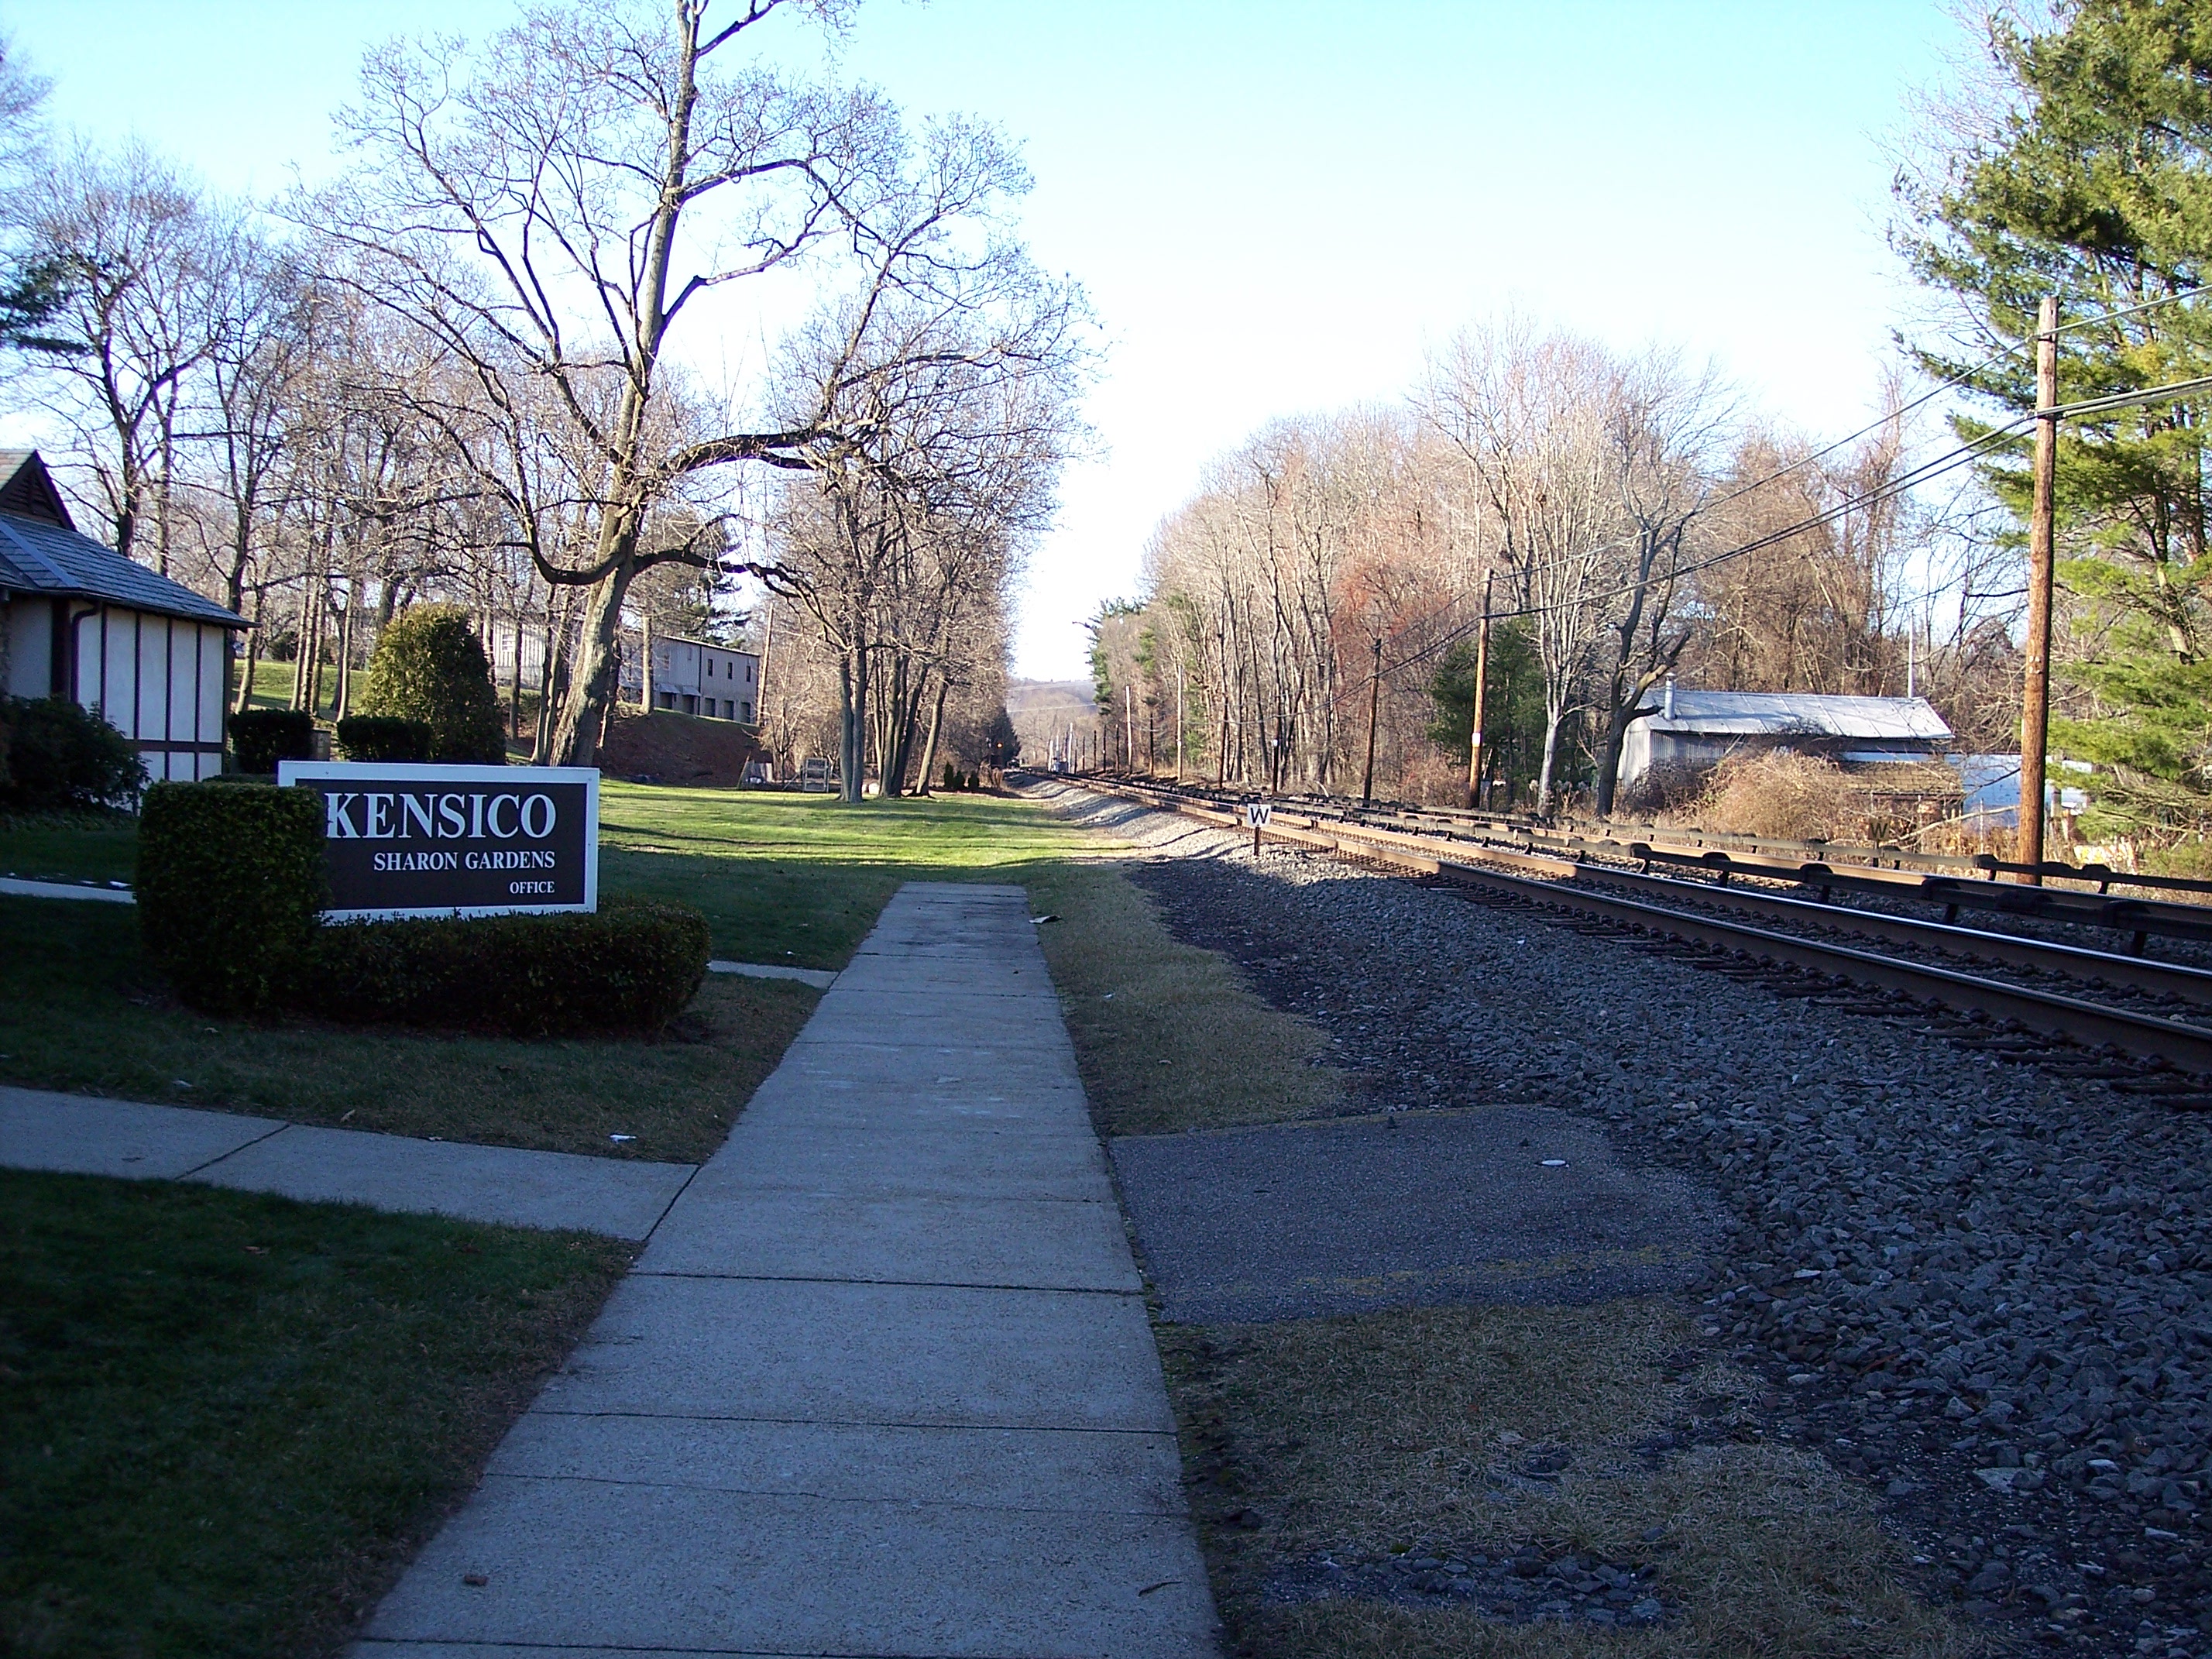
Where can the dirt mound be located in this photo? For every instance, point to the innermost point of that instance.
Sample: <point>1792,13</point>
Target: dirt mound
<point>678,749</point>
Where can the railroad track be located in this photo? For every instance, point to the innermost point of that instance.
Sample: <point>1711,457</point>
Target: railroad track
<point>2169,1055</point>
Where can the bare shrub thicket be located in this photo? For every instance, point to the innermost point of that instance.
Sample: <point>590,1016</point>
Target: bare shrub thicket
<point>1666,788</point>
<point>1788,796</point>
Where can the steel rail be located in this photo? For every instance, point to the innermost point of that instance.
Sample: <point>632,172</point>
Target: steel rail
<point>2175,1041</point>
<point>2012,950</point>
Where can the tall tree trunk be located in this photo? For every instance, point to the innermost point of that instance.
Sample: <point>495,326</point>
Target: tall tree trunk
<point>852,723</point>
<point>929,747</point>
<point>552,677</point>
<point>253,653</point>
<point>307,650</point>
<point>583,711</point>
<point>1552,719</point>
<point>514,683</point>
<point>341,697</point>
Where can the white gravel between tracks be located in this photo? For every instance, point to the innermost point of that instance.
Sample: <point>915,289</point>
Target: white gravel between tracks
<point>1985,1290</point>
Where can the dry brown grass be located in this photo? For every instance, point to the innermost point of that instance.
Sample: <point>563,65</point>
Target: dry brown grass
<point>1404,1429</point>
<point>1788,797</point>
<point>1433,778</point>
<point>1169,1036</point>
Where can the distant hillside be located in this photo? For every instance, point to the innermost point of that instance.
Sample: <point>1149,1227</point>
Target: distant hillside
<point>1023,695</point>
<point>1044,709</point>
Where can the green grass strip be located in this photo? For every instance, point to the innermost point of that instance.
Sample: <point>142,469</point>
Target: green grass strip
<point>226,1419</point>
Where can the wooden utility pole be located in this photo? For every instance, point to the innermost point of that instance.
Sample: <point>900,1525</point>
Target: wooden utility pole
<point>1481,692</point>
<point>1373,706</point>
<point>1182,693</point>
<point>2035,693</point>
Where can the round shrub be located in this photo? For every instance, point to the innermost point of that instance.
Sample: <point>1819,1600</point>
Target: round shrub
<point>429,667</point>
<point>381,737</point>
<point>59,756</point>
<point>259,738</point>
<point>632,966</point>
<point>230,881</point>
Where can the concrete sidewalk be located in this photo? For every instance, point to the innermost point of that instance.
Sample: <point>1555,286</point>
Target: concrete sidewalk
<point>883,1383</point>
<point>76,1134</point>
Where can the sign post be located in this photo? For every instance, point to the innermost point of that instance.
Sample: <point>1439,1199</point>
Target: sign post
<point>1256,814</point>
<point>406,840</point>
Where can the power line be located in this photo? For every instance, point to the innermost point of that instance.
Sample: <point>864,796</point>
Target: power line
<point>1948,462</point>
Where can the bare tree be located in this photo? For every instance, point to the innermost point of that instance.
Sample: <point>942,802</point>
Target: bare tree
<point>137,264</point>
<point>1526,416</point>
<point>550,209</point>
<point>955,406</point>
<point>1662,428</point>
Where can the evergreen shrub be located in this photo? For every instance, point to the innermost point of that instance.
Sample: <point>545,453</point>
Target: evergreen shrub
<point>429,667</point>
<point>58,756</point>
<point>259,738</point>
<point>229,884</point>
<point>632,966</point>
<point>383,737</point>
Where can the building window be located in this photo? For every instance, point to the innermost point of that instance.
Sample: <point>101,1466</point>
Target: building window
<point>745,713</point>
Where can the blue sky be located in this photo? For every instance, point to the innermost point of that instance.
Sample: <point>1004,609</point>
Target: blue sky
<point>1277,207</point>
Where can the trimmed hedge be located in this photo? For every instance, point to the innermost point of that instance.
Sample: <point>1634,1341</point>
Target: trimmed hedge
<point>229,884</point>
<point>259,738</point>
<point>383,737</point>
<point>632,966</point>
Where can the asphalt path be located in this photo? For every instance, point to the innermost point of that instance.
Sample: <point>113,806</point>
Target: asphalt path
<point>1512,1204</point>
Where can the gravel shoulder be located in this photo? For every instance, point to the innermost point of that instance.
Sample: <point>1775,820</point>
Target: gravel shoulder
<point>1975,1297</point>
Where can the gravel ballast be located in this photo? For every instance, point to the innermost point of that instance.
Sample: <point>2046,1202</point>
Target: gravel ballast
<point>1981,1289</point>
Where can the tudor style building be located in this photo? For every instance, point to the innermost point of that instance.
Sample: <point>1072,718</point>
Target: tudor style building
<point>78,619</point>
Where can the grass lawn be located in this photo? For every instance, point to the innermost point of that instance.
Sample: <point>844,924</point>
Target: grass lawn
<point>798,879</point>
<point>83,1010</point>
<point>226,1420</point>
<point>789,879</point>
<point>272,684</point>
<point>70,846</point>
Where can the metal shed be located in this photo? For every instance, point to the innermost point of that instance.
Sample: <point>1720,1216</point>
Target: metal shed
<point>1699,729</point>
<point>78,619</point>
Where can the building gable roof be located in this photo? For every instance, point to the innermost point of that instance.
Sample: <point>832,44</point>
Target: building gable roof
<point>1803,714</point>
<point>41,553</point>
<point>27,489</point>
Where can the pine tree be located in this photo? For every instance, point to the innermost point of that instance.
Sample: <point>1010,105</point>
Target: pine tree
<point>2096,185</point>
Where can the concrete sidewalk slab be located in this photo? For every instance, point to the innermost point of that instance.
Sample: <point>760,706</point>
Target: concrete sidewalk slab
<point>74,1134</point>
<point>505,1186</point>
<point>17,887</point>
<point>1041,1245</point>
<point>623,1566</point>
<point>883,1383</point>
<point>821,978</point>
<point>1081,1471</point>
<point>983,1164</point>
<point>835,1351</point>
